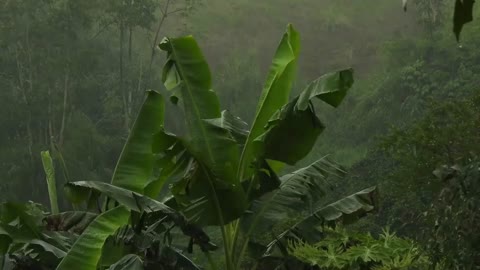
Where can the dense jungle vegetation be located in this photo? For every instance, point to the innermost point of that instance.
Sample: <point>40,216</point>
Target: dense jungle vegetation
<point>218,134</point>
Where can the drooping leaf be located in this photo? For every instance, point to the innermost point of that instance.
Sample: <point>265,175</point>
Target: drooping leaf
<point>331,88</point>
<point>298,190</point>
<point>135,165</point>
<point>290,135</point>
<point>86,252</point>
<point>128,262</point>
<point>346,211</point>
<point>275,93</point>
<point>236,126</point>
<point>132,200</point>
<point>293,130</point>
<point>202,202</point>
<point>214,148</point>
<point>72,221</point>
<point>51,183</point>
<point>171,158</point>
<point>47,247</point>
<point>25,219</point>
<point>141,204</point>
<point>21,225</point>
<point>463,13</point>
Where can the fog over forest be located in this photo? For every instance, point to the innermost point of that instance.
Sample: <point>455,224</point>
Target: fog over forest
<point>246,134</point>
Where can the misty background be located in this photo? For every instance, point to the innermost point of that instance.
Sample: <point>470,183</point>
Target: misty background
<point>73,76</point>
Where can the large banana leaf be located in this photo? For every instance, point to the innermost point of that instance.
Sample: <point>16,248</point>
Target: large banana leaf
<point>135,165</point>
<point>171,159</point>
<point>86,252</point>
<point>297,192</point>
<point>293,130</point>
<point>275,93</point>
<point>214,149</point>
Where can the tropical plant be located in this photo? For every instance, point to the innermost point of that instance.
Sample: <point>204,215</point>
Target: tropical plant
<point>229,173</point>
<point>221,173</point>
<point>341,249</point>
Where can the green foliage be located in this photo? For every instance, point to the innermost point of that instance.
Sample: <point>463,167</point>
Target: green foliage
<point>456,209</point>
<point>30,236</point>
<point>214,187</point>
<point>86,251</point>
<point>341,249</point>
<point>136,161</point>
<point>218,181</point>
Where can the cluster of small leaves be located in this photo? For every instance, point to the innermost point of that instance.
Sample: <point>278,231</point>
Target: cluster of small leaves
<point>341,249</point>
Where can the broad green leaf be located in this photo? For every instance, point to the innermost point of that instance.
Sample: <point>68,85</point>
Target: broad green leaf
<point>135,165</point>
<point>86,252</point>
<point>275,93</point>
<point>297,192</point>
<point>25,219</point>
<point>215,149</point>
<point>128,262</point>
<point>293,130</point>
<point>350,208</point>
<point>46,247</point>
<point>170,158</point>
<point>290,136</point>
<point>330,88</point>
<point>51,183</point>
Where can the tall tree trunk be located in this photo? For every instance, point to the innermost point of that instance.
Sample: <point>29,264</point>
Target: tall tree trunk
<point>121,82</point>
<point>130,83</point>
<point>64,111</point>
<point>22,87</point>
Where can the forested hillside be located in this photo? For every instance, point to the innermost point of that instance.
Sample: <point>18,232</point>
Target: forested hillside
<point>402,144</point>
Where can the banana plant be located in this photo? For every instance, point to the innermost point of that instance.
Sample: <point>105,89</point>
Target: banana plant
<point>221,172</point>
<point>229,172</point>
